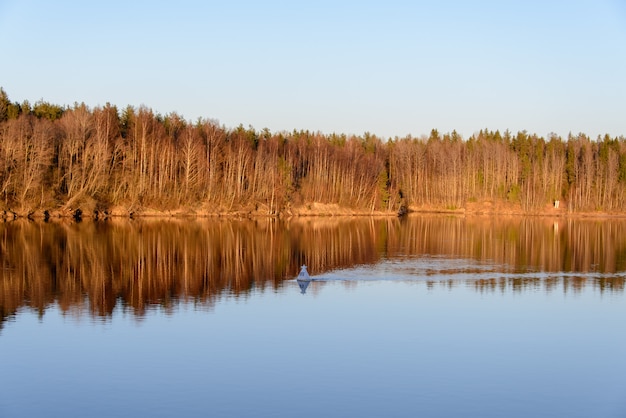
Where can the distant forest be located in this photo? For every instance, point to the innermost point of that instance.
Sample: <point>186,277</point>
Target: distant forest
<point>55,158</point>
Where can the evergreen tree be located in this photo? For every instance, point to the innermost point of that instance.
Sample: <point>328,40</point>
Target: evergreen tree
<point>4,105</point>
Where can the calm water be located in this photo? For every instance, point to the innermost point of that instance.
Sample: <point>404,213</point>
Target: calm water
<point>428,316</point>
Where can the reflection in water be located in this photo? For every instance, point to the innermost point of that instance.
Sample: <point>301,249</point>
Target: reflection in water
<point>303,284</point>
<point>567,284</point>
<point>137,264</point>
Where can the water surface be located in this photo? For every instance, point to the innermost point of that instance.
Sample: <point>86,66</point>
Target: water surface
<point>428,316</point>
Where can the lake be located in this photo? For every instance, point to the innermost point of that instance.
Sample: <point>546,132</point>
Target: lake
<point>429,316</point>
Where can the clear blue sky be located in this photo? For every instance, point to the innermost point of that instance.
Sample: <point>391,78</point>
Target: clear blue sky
<point>389,68</point>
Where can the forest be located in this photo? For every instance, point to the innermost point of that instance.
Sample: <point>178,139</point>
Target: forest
<point>80,161</point>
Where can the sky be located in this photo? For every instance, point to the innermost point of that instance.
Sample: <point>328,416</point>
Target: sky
<point>390,68</point>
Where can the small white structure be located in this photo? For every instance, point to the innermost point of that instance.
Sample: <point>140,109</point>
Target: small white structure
<point>556,204</point>
<point>304,274</point>
<point>303,279</point>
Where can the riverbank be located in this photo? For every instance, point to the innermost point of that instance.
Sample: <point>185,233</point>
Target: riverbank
<point>314,209</point>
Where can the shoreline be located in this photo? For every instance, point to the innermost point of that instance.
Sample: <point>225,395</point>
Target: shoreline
<point>314,210</point>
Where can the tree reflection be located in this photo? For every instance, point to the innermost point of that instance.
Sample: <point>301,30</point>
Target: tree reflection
<point>96,267</point>
<point>567,284</point>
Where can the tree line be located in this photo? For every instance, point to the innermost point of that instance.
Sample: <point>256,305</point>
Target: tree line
<point>74,157</point>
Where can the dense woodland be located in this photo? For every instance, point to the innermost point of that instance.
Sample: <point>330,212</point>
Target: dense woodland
<point>60,159</point>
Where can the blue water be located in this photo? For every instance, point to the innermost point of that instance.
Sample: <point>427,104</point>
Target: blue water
<point>397,339</point>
